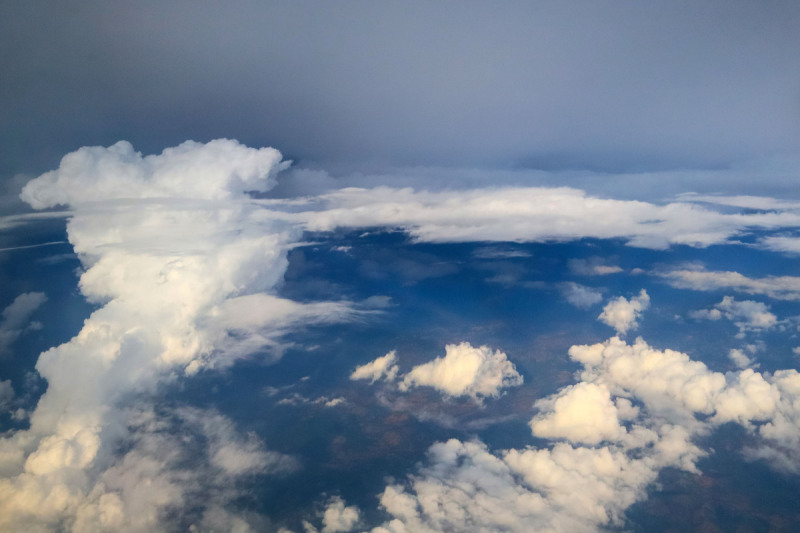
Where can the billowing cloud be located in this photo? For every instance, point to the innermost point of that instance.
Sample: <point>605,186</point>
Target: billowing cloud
<point>622,314</point>
<point>181,265</point>
<point>465,371</point>
<point>16,318</point>
<point>634,411</point>
<point>381,368</point>
<point>583,413</point>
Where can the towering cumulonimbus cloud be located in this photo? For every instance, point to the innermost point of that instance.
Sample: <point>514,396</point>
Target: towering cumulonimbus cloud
<point>172,249</point>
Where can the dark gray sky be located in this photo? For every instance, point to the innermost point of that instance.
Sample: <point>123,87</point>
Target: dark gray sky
<point>625,85</point>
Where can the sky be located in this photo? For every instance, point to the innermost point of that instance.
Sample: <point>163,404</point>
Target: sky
<point>389,267</point>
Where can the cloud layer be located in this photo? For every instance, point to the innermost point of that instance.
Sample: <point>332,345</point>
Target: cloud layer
<point>537,214</point>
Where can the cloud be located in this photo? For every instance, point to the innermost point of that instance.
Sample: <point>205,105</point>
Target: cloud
<point>337,517</point>
<point>580,295</point>
<point>634,411</point>
<point>381,368</point>
<point>777,287</point>
<point>622,314</point>
<point>299,399</point>
<point>534,214</point>
<point>739,358</point>
<point>583,413</point>
<point>465,371</point>
<point>183,460</point>
<point>219,170</point>
<point>16,318</point>
<point>181,264</point>
<point>787,245</point>
<point>593,266</point>
<point>748,315</point>
<point>465,487</point>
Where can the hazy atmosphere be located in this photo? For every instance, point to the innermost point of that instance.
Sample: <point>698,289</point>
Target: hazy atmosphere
<point>399,266</point>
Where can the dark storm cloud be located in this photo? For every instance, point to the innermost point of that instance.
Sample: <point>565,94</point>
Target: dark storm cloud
<point>546,84</point>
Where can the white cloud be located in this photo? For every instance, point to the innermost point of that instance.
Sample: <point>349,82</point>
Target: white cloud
<point>339,518</point>
<point>299,399</point>
<point>465,487</point>
<point>739,358</point>
<point>748,315</point>
<point>381,368</point>
<point>16,318</point>
<point>535,214</point>
<point>580,295</point>
<point>622,314</point>
<point>778,287</point>
<point>465,371</point>
<point>219,170</point>
<point>635,411</point>
<point>582,413</point>
<point>788,245</point>
<point>181,264</point>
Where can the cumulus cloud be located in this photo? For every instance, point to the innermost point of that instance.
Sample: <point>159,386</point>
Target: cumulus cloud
<point>622,314</point>
<point>337,517</point>
<point>465,371</point>
<point>777,287</point>
<point>182,265</point>
<point>634,411</point>
<point>748,315</point>
<point>16,318</point>
<point>381,368</point>
<point>465,487</point>
<point>583,413</point>
<point>218,170</point>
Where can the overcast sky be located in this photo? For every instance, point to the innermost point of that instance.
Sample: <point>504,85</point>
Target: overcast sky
<point>612,86</point>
